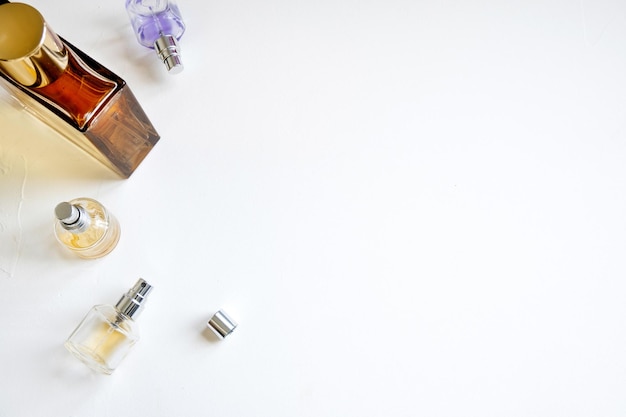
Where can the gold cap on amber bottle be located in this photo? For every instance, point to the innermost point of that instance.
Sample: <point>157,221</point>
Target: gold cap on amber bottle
<point>30,52</point>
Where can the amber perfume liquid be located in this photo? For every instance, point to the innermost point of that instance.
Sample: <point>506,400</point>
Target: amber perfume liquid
<point>94,91</point>
<point>86,227</point>
<point>71,92</point>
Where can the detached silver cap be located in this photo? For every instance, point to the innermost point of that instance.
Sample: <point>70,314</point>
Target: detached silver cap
<point>168,51</point>
<point>221,324</point>
<point>72,217</point>
<point>131,303</point>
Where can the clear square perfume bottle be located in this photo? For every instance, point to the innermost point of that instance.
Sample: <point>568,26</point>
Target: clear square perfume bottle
<point>72,93</point>
<point>107,333</point>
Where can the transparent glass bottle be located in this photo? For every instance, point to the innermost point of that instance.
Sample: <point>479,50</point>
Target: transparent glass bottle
<point>72,93</point>
<point>107,333</point>
<point>86,227</point>
<point>158,25</point>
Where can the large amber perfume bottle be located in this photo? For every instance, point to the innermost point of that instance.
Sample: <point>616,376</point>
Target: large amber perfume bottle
<point>71,92</point>
<point>107,333</point>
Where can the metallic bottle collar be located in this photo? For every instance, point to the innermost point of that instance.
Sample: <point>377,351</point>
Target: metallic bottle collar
<point>30,52</point>
<point>131,303</point>
<point>168,51</point>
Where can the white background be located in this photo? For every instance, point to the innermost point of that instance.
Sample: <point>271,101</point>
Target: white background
<point>412,208</point>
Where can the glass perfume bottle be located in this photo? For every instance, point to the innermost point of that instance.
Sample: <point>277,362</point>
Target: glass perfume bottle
<point>65,88</point>
<point>158,25</point>
<point>107,333</point>
<point>86,227</point>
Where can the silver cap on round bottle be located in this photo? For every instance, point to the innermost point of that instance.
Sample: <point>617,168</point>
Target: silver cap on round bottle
<point>72,217</point>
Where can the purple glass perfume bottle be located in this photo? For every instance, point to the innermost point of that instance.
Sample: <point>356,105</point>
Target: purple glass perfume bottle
<point>158,25</point>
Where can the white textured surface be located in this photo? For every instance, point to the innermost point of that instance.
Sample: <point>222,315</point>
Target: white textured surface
<point>412,208</point>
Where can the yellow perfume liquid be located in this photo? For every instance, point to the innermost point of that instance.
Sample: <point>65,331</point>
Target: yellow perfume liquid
<point>107,333</point>
<point>86,227</point>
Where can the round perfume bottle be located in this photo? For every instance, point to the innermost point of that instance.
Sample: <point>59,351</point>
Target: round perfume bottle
<point>86,227</point>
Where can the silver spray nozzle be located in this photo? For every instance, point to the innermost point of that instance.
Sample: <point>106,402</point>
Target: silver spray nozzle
<point>131,303</point>
<point>168,51</point>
